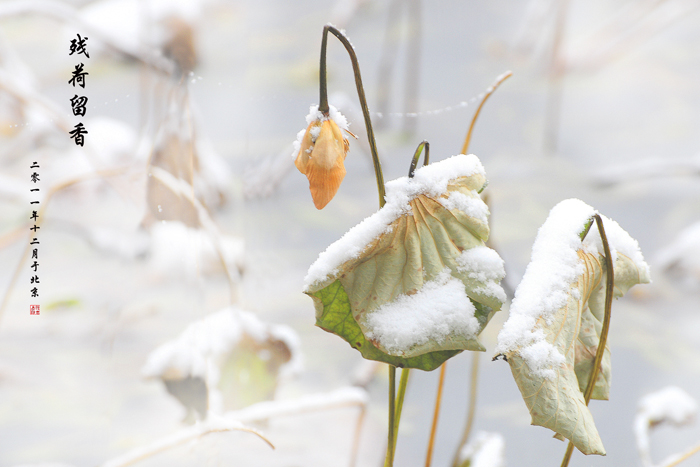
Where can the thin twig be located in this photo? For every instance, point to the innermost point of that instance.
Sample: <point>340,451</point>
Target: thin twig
<point>609,284</point>
<point>433,429</point>
<point>185,190</point>
<point>489,91</point>
<point>673,461</point>
<point>179,438</point>
<point>471,410</point>
<point>392,413</point>
<point>323,102</point>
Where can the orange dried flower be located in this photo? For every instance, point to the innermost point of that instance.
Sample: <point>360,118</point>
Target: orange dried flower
<point>321,156</point>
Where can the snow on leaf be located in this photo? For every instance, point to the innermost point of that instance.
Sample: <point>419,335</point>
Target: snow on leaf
<point>228,360</point>
<point>552,333</point>
<point>413,284</point>
<point>668,405</point>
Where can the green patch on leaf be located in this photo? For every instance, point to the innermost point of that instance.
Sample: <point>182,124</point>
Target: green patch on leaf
<point>333,314</point>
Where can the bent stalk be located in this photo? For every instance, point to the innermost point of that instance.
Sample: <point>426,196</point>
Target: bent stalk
<point>323,102</point>
<point>489,91</point>
<point>609,283</point>
<point>416,156</point>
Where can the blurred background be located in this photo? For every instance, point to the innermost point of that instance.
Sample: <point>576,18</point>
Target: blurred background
<point>174,243</point>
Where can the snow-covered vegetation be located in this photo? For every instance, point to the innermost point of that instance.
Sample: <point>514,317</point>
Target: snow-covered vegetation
<point>176,243</point>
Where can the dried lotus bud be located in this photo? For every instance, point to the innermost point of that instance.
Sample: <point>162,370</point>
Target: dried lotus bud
<point>321,158</point>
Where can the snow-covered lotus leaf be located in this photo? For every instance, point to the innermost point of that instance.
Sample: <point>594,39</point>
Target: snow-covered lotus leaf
<point>228,360</point>
<point>552,335</point>
<point>414,284</point>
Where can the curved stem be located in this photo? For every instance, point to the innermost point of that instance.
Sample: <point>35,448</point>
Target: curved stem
<point>416,156</point>
<point>609,284</point>
<point>471,410</point>
<point>489,91</point>
<point>323,76</point>
<point>433,429</point>
<point>323,105</point>
<point>392,415</point>
<point>682,457</point>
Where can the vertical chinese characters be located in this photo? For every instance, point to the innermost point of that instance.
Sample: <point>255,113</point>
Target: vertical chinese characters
<point>34,243</point>
<point>78,103</point>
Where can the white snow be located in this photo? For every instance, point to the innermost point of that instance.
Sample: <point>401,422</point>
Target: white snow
<point>682,255</point>
<point>203,344</point>
<point>483,264</point>
<point>315,115</point>
<point>545,286</point>
<point>440,308</point>
<point>297,143</point>
<point>670,404</point>
<point>430,180</point>
<point>471,206</point>
<point>618,240</point>
<point>486,449</point>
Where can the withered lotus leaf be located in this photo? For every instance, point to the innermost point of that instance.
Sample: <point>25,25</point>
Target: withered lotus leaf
<point>414,284</point>
<point>553,331</point>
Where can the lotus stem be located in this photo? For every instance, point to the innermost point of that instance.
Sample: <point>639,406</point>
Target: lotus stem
<point>471,409</point>
<point>392,415</point>
<point>489,91</point>
<point>609,284</point>
<point>323,101</point>
<point>683,457</point>
<point>416,156</point>
<point>433,429</point>
<point>405,372</point>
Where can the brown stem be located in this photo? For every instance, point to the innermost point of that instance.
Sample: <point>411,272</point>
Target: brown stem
<point>609,284</point>
<point>433,429</point>
<point>490,91</point>
<point>683,456</point>
<point>324,107</point>
<point>392,414</point>
<point>471,410</point>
